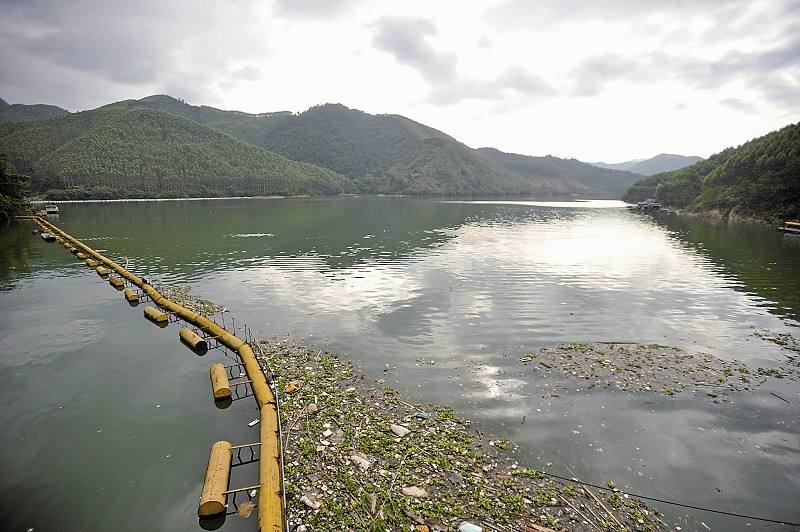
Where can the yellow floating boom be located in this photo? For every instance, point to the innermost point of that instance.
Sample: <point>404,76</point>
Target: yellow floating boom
<point>220,385</point>
<point>218,473</point>
<point>271,512</point>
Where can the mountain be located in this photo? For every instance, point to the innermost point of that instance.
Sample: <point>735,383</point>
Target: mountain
<point>392,154</point>
<point>569,175</point>
<point>376,153</point>
<point>18,112</point>
<point>624,167</point>
<point>663,162</point>
<point>120,152</point>
<point>758,179</point>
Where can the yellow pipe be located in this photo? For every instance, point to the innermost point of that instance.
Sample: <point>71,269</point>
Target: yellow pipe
<point>271,512</point>
<point>220,385</point>
<point>130,294</point>
<point>192,340</point>
<point>155,315</point>
<point>218,473</point>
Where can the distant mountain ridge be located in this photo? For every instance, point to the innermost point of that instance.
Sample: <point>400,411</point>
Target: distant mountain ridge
<point>120,152</point>
<point>759,179</point>
<point>18,112</point>
<point>97,152</point>
<point>393,154</point>
<point>663,162</point>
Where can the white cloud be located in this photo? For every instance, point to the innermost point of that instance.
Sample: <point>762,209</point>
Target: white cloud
<point>594,80</point>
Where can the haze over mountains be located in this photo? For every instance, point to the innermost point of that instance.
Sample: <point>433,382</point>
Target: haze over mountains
<point>663,162</point>
<point>160,146</point>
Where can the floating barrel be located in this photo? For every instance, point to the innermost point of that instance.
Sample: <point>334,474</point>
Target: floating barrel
<point>81,255</point>
<point>116,282</point>
<point>219,382</point>
<point>213,498</point>
<point>67,245</point>
<point>91,263</point>
<point>193,341</point>
<point>156,315</point>
<point>102,272</point>
<point>131,295</point>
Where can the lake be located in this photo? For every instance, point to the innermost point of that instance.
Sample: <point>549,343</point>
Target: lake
<point>108,419</point>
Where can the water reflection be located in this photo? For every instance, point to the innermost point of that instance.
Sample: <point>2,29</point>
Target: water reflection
<point>470,286</point>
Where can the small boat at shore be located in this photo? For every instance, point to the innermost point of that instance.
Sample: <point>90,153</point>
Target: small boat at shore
<point>647,205</point>
<point>791,227</point>
<point>51,209</point>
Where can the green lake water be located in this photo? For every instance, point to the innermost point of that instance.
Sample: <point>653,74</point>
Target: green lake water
<point>107,419</point>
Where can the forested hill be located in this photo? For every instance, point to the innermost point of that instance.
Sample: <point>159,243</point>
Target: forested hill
<point>169,147</point>
<point>23,113</point>
<point>589,180</point>
<point>759,179</point>
<point>392,154</point>
<point>663,162</point>
<point>117,152</point>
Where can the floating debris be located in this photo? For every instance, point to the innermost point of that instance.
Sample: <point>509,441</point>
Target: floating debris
<point>653,368</point>
<point>439,476</point>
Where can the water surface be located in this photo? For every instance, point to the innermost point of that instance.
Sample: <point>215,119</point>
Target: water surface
<point>110,419</point>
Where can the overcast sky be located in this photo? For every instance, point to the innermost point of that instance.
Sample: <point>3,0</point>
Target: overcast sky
<point>596,80</point>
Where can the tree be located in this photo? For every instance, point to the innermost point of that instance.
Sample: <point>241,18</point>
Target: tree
<point>12,192</point>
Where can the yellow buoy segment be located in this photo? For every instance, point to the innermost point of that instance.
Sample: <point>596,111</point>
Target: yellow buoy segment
<point>219,382</point>
<point>116,282</point>
<point>81,255</point>
<point>271,510</point>
<point>102,272</point>
<point>156,315</point>
<point>218,473</point>
<point>91,263</point>
<point>130,294</point>
<point>193,340</point>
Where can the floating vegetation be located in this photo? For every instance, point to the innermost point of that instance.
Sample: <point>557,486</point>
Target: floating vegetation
<point>784,340</point>
<point>653,368</point>
<point>183,296</point>
<point>359,457</point>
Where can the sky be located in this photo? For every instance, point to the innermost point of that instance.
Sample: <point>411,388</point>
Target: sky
<point>595,80</point>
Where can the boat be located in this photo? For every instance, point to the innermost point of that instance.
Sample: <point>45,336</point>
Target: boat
<point>648,205</point>
<point>51,209</point>
<point>48,237</point>
<point>791,227</point>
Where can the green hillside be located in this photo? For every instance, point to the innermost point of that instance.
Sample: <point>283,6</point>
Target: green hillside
<point>570,176</point>
<point>124,152</point>
<point>663,162</point>
<point>392,154</point>
<point>759,179</point>
<point>160,146</point>
<point>24,113</point>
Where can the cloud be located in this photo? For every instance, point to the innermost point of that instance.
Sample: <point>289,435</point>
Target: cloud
<point>523,14</point>
<point>409,41</point>
<point>311,9</point>
<point>594,73</point>
<point>738,105</point>
<point>247,73</point>
<point>773,73</point>
<point>90,47</point>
